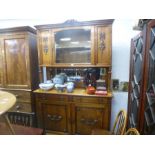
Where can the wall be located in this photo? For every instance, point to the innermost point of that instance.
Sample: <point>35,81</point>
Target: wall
<point>122,34</point>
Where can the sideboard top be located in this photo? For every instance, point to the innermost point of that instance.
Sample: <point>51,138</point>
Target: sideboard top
<point>72,23</point>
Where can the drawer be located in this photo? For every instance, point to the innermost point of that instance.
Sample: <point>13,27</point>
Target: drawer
<point>23,107</point>
<point>55,117</point>
<point>89,99</point>
<point>21,96</point>
<point>51,98</point>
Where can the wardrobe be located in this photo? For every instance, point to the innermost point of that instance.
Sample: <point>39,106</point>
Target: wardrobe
<point>141,99</point>
<point>19,65</point>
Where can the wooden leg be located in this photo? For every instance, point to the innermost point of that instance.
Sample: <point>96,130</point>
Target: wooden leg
<point>8,124</point>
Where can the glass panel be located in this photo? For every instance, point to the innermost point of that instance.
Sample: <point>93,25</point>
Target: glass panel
<point>138,67</point>
<point>152,37</point>
<point>73,46</point>
<point>140,45</point>
<point>134,111</point>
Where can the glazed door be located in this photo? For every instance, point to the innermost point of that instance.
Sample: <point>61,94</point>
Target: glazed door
<point>73,46</point>
<point>103,41</point>
<point>149,89</point>
<point>135,83</point>
<point>16,59</point>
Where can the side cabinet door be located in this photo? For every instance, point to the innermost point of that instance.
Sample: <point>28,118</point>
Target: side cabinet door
<point>103,45</point>
<point>55,117</point>
<point>135,84</point>
<point>88,118</point>
<point>44,47</point>
<point>16,55</point>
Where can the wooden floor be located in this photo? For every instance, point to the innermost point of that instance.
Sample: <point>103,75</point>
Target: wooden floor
<point>19,130</point>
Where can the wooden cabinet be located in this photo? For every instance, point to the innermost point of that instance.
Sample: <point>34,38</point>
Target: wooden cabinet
<point>19,64</point>
<point>75,43</point>
<point>72,114</point>
<point>141,105</point>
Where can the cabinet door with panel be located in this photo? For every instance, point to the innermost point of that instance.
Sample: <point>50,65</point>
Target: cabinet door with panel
<point>136,81</point>
<point>149,83</point>
<point>103,42</point>
<point>44,47</point>
<point>89,113</point>
<point>55,117</point>
<point>16,59</point>
<point>88,118</point>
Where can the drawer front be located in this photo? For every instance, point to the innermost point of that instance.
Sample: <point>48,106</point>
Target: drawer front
<point>23,107</point>
<point>78,99</point>
<point>86,119</point>
<point>51,98</point>
<point>55,117</point>
<point>21,96</point>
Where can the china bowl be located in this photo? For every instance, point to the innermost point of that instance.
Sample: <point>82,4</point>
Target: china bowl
<point>60,87</point>
<point>46,86</point>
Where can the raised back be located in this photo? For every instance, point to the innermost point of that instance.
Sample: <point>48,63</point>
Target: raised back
<point>132,131</point>
<point>120,123</point>
<point>22,118</point>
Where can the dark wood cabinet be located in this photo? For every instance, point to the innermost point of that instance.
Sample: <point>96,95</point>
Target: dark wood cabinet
<point>141,112</point>
<point>19,64</point>
<point>72,114</point>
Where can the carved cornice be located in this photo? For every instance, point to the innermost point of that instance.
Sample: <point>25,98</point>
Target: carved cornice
<point>72,23</point>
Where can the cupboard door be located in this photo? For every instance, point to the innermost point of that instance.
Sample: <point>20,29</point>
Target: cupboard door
<point>88,118</point>
<point>55,117</point>
<point>149,89</point>
<point>44,47</point>
<point>103,45</point>
<point>73,46</point>
<point>16,62</point>
<point>135,84</point>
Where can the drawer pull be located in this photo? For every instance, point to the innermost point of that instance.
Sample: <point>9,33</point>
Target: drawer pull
<point>89,122</point>
<point>18,107</point>
<point>17,96</point>
<point>54,117</point>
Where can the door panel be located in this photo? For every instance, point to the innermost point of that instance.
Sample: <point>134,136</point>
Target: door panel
<point>103,45</point>
<point>55,117</point>
<point>149,112</point>
<point>16,63</point>
<point>87,119</point>
<point>135,84</point>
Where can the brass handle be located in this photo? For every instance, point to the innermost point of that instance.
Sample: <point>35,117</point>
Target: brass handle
<point>89,122</point>
<point>54,117</point>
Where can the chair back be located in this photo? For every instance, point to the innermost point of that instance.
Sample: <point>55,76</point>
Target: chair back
<point>132,131</point>
<point>22,118</point>
<point>120,123</point>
